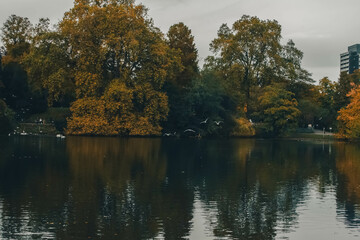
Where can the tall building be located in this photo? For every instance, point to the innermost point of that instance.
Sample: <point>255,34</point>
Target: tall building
<point>349,61</point>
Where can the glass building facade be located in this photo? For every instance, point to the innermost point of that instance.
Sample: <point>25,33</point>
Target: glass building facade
<point>349,61</point>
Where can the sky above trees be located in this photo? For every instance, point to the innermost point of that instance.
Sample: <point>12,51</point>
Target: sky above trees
<point>322,29</point>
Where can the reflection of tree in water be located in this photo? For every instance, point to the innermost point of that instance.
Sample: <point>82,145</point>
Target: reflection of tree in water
<point>258,187</point>
<point>138,200</point>
<point>348,190</point>
<point>33,185</point>
<point>142,188</point>
<point>92,187</point>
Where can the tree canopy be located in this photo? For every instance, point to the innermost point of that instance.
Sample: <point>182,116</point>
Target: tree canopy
<point>249,56</point>
<point>118,55</point>
<point>118,74</point>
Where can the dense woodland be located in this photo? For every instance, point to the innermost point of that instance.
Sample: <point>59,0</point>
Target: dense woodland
<point>117,74</point>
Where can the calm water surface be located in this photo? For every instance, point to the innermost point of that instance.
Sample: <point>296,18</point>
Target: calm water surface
<point>112,188</point>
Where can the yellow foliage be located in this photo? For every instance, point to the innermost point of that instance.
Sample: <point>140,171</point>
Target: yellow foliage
<point>120,111</point>
<point>243,128</point>
<point>122,61</point>
<point>87,84</point>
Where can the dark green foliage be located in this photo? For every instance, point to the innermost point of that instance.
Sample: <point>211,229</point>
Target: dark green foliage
<point>49,66</point>
<point>6,118</point>
<point>205,100</point>
<point>343,87</point>
<point>249,57</point>
<point>53,115</point>
<point>1,75</point>
<point>202,100</point>
<point>180,39</point>
<point>178,86</point>
<point>17,36</point>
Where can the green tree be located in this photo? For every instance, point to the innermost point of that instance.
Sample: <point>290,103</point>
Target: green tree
<point>16,37</point>
<point>117,49</point>
<point>1,74</point>
<point>177,86</point>
<point>328,112</point>
<point>249,56</point>
<point>48,65</point>
<point>205,103</point>
<point>181,39</point>
<point>247,50</point>
<point>292,70</point>
<point>279,112</point>
<point>6,118</point>
<point>343,87</point>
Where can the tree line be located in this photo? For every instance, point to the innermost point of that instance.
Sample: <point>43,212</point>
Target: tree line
<point>120,75</point>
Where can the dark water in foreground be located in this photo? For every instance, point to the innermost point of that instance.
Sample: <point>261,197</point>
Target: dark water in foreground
<point>111,188</point>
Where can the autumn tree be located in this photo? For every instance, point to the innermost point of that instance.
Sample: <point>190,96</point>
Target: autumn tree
<point>121,63</point>
<point>279,112</point>
<point>349,116</point>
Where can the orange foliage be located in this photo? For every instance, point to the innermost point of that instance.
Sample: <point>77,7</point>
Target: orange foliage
<point>87,84</point>
<point>115,112</point>
<point>243,128</point>
<point>349,117</point>
<point>122,61</point>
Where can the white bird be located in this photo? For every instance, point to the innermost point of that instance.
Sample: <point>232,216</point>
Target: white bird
<point>218,123</point>
<point>167,134</point>
<point>189,130</point>
<point>205,121</point>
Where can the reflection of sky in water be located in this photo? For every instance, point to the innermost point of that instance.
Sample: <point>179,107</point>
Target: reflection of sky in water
<point>318,218</point>
<point>204,217</point>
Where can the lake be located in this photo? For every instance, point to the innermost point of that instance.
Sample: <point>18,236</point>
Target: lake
<point>152,188</point>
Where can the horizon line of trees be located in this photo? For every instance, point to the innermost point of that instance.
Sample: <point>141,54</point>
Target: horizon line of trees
<point>120,75</point>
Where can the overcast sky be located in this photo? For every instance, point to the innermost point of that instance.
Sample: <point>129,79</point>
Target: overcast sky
<point>322,29</point>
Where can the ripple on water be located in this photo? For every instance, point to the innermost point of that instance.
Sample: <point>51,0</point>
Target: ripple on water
<point>318,218</point>
<point>24,225</point>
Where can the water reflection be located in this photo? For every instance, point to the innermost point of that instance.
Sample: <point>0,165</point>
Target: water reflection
<point>348,191</point>
<point>112,188</point>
